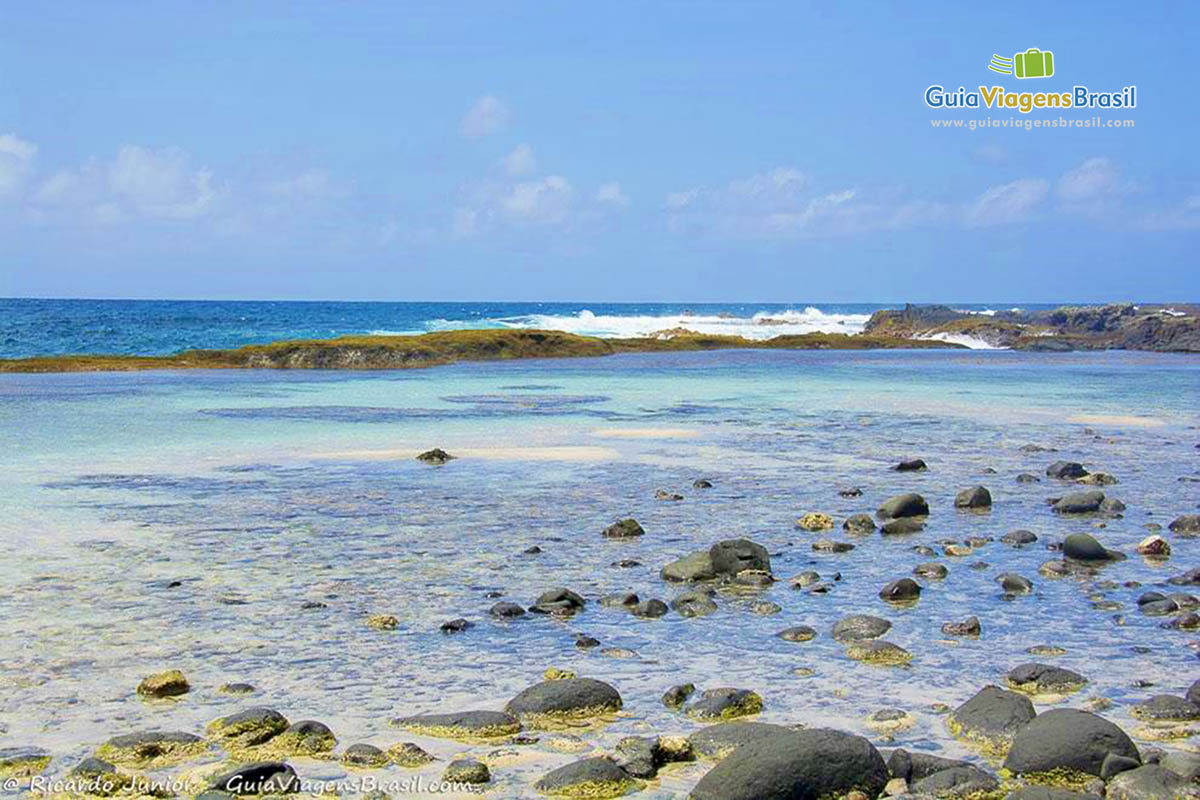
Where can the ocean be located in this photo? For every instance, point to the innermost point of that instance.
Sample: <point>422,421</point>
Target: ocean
<point>243,525</point>
<point>33,327</point>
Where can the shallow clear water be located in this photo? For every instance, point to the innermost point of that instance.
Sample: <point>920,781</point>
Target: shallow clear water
<point>256,491</point>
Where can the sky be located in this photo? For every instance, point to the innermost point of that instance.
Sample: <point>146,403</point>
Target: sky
<point>614,151</point>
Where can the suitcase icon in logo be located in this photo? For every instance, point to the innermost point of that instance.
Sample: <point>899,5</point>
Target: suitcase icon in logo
<point>1034,63</point>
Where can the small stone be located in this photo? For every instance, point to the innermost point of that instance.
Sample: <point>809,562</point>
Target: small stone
<point>410,755</point>
<point>382,622</point>
<point>466,770</point>
<point>911,465</point>
<point>435,456</point>
<point>815,521</point>
<point>170,683</point>
<point>977,498</point>
<point>1154,546</point>
<point>676,696</point>
<point>624,529</point>
<point>968,627</point>
<point>456,625</point>
<point>664,495</point>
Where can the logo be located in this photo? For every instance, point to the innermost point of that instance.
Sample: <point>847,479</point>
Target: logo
<point>1033,63</point>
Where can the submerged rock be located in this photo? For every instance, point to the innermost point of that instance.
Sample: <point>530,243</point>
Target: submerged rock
<point>968,627</point>
<point>859,627</point>
<point>859,524</point>
<point>22,762</point>
<point>152,748</point>
<point>694,604</point>
<point>1013,583</point>
<point>677,695</point>
<point>506,610</point>
<point>731,556</point>
<point>1186,525</point>
<point>1019,538</point>
<point>558,601</point>
<point>879,653</point>
<point>904,590</point>
<point>1066,470</point>
<point>695,567</point>
<point>306,737</point>
<point>932,570</point>
<point>796,765</point>
<point>1065,738</point>
<point>910,465</point>
<point>903,505</point>
<point>1079,503</point>
<point>902,525</point>
<point>797,633</point>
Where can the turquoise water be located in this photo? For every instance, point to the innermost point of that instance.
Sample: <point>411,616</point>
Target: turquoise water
<point>157,520</point>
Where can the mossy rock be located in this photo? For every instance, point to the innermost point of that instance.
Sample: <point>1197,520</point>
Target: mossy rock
<point>465,726</point>
<point>152,749</point>
<point>725,703</point>
<point>593,778</point>
<point>304,738</point>
<point>879,653</point>
<point>409,755</point>
<point>23,762</point>
<point>549,703</point>
<point>170,683</point>
<point>364,755</point>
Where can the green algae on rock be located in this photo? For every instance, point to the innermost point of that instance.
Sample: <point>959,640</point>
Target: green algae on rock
<point>152,748</point>
<point>465,726</point>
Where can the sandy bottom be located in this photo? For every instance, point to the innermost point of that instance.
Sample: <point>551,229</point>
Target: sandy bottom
<point>1117,419</point>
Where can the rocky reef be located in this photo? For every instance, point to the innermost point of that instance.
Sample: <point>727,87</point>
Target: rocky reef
<point>1167,329</point>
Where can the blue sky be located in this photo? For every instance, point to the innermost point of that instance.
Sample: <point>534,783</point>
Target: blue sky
<point>610,151</point>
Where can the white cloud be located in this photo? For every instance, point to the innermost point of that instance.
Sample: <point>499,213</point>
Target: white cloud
<point>1092,181</point>
<point>610,194</point>
<point>16,163</point>
<point>521,161</point>
<point>1008,202</point>
<point>486,117</point>
<point>160,183</point>
<point>542,201</point>
<point>312,184</point>
<point>1184,216</point>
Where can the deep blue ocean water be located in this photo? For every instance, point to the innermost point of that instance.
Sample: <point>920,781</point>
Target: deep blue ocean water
<point>32,327</point>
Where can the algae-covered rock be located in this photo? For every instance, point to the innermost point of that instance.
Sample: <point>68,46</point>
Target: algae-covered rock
<point>463,725</point>
<point>247,728</point>
<point>991,718</point>
<point>306,737</point>
<point>152,748</point>
<point>879,653</point>
<point>409,755</point>
<point>466,770</point>
<point>364,755</point>
<point>22,762</point>
<point>725,703</point>
<point>1034,678</point>
<point>549,702</point>
<point>858,627</point>
<point>170,683</point>
<point>694,567</point>
<point>624,529</point>
<point>597,777</point>
<point>903,505</point>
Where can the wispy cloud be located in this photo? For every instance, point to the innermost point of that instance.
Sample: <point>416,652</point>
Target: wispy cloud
<point>16,163</point>
<point>520,161</point>
<point>487,116</point>
<point>1008,202</point>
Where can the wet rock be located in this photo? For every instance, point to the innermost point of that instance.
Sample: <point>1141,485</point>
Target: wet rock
<point>796,765</point>
<point>585,642</point>
<point>731,556</point>
<point>306,737</point>
<point>170,683</point>
<point>859,627</point>
<point>677,695</point>
<point>765,607</point>
<point>624,529</point>
<point>1166,708</point>
<point>1193,693</point>
<point>462,725</point>
<point>1186,525</point>
<point>694,604</point>
<point>1185,765</point>
<point>1034,678</point>
<point>664,495</point>
<point>754,578</point>
<point>859,524</point>
<point>650,609</point>
<point>917,765</point>
<point>932,570</point>
<point>249,727</point>
<point>1013,583</point>
<point>1019,538</point>
<point>152,748</point>
<point>725,703</point>
<point>910,465</point>
<point>506,610</point>
<point>261,778</point>
<point>904,590</point>
<point>1037,792</point>
<point>815,521</point>
<point>1083,547</point>
<point>595,777</point>
<point>620,599</point>
<point>626,563</point>
<point>466,770</point>
<point>435,456</point>
<point>1066,470</point>
<point>1154,546</point>
<point>571,699</point>
<point>717,741</point>
<point>903,525</point>
<point>637,756</point>
<point>702,483</point>
<point>1151,782</point>
<point>956,782</point>
<point>409,755</point>
<point>1115,765</point>
<point>364,755</point>
<point>236,688</point>
<point>1065,738</point>
<point>991,718</point>
<point>22,762</point>
<point>558,601</point>
<point>903,505</point>
<point>977,497</point>
<point>1189,578</point>
<point>879,653</point>
<point>1079,503</point>
<point>968,627</point>
<point>805,579</point>
<point>695,567</point>
<point>1026,477</point>
<point>831,546</point>
<point>797,633</point>
<point>1097,479</point>
<point>456,625</point>
<point>850,491</point>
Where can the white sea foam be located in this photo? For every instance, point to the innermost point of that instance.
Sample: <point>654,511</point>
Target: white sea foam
<point>762,325</point>
<point>973,342</point>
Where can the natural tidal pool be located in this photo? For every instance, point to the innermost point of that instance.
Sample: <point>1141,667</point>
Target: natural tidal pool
<point>153,521</point>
